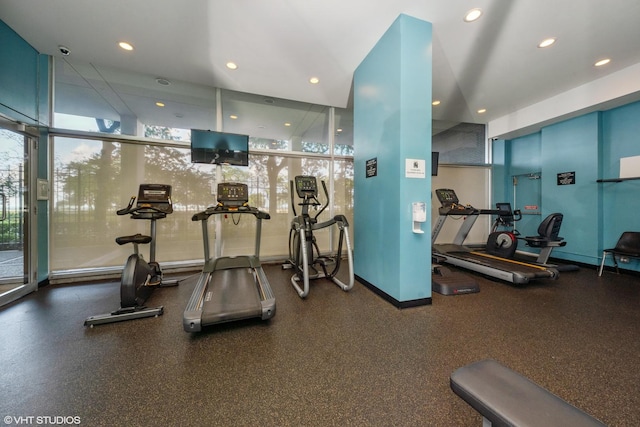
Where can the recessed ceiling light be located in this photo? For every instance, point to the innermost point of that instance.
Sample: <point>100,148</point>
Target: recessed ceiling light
<point>125,45</point>
<point>472,15</point>
<point>436,102</point>
<point>339,130</point>
<point>160,104</point>
<point>287,124</point>
<point>547,42</point>
<point>233,117</point>
<point>602,62</point>
<point>163,82</point>
<point>314,80</point>
<point>232,65</point>
<point>482,111</point>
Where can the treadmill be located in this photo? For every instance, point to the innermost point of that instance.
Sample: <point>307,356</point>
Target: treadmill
<point>230,288</point>
<point>456,253</point>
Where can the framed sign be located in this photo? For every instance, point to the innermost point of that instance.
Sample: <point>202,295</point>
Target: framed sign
<point>372,167</point>
<point>566,178</point>
<point>415,168</point>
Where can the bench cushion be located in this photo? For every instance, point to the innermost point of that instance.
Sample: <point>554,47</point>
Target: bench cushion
<point>507,398</point>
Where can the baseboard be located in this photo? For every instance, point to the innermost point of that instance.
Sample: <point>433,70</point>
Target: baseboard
<point>385,296</point>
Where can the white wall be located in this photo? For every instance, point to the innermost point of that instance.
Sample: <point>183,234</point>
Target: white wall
<point>472,185</point>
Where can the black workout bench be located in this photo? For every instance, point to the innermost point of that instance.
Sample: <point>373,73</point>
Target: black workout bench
<point>505,398</point>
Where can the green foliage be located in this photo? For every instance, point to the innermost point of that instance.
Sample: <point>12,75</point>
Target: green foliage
<point>89,190</point>
<point>11,230</point>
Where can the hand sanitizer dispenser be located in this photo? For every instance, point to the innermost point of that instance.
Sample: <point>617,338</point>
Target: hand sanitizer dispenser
<point>419,216</point>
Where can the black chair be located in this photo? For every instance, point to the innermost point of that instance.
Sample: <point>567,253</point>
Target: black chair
<point>547,237</point>
<point>628,246</point>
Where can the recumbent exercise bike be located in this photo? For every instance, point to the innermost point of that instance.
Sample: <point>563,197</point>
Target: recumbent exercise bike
<point>139,277</point>
<point>304,254</point>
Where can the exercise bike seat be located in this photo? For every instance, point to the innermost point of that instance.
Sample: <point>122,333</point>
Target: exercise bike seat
<point>136,238</point>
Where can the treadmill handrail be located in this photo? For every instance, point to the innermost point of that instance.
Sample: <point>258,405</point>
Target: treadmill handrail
<point>217,210</point>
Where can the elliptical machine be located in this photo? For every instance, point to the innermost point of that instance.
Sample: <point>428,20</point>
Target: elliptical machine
<point>304,254</point>
<point>139,277</point>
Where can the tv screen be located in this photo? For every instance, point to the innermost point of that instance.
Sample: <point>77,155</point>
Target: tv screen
<point>435,155</point>
<point>219,148</point>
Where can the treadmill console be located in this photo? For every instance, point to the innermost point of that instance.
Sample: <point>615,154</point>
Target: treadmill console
<point>451,205</point>
<point>232,194</point>
<point>306,186</point>
<point>447,197</point>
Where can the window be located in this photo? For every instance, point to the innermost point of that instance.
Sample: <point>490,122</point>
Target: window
<point>146,142</point>
<point>93,179</point>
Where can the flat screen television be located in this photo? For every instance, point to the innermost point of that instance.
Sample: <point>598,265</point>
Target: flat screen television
<point>219,148</point>
<point>435,155</point>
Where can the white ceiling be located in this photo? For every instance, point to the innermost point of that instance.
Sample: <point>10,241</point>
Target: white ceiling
<point>492,63</point>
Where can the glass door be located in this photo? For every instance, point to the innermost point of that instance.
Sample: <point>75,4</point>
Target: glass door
<point>16,279</point>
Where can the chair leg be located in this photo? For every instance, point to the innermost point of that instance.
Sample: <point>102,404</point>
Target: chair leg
<point>604,256</point>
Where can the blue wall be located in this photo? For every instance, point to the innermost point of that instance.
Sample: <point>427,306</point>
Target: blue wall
<point>595,214</point>
<point>572,146</point>
<point>392,122</point>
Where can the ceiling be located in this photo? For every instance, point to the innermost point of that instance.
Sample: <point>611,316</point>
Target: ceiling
<point>493,63</point>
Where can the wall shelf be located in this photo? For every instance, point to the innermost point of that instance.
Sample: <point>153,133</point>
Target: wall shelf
<point>617,179</point>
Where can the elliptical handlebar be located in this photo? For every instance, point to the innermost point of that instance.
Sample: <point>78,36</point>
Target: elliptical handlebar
<point>293,205</point>
<point>326,194</point>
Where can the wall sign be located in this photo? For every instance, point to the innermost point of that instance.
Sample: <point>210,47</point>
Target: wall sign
<point>372,167</point>
<point>415,168</point>
<point>566,178</point>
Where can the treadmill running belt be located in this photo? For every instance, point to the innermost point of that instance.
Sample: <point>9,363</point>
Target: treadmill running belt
<point>232,294</point>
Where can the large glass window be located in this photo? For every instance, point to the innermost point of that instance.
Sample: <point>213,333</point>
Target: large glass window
<point>93,179</point>
<point>148,122</point>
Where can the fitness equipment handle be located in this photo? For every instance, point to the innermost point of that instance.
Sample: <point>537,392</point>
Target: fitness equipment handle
<point>326,195</point>
<point>144,212</point>
<point>128,208</point>
<point>517,215</point>
<point>219,210</point>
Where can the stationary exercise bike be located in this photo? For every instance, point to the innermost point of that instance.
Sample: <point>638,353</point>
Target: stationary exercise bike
<point>304,254</point>
<point>139,277</point>
<point>503,239</point>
